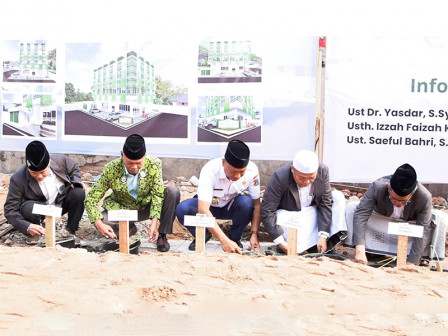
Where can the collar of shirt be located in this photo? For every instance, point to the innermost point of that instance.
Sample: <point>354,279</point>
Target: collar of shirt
<point>222,173</point>
<point>305,194</point>
<point>132,181</point>
<point>50,186</point>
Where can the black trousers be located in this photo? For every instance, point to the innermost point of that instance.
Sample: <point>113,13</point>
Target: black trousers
<point>170,201</point>
<point>73,204</point>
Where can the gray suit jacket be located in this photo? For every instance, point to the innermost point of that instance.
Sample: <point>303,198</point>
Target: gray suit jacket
<point>23,187</point>
<point>282,193</point>
<point>377,199</point>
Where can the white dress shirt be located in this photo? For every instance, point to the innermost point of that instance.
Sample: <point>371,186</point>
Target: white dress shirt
<point>214,186</point>
<point>50,186</point>
<point>398,212</point>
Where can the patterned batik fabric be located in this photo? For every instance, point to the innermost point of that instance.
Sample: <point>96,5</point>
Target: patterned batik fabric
<point>150,189</point>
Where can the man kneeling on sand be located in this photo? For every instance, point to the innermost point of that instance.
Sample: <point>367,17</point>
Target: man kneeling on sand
<point>45,179</point>
<point>304,186</point>
<point>136,182</point>
<point>229,188</point>
<point>399,197</point>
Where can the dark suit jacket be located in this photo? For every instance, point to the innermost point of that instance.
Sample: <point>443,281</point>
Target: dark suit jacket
<point>282,193</point>
<point>377,199</point>
<point>23,187</point>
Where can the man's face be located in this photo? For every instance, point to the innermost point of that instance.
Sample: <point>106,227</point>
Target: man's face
<point>232,173</point>
<point>303,180</point>
<point>133,166</point>
<point>398,201</point>
<point>39,176</point>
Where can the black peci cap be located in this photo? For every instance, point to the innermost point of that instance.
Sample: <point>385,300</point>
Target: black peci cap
<point>36,156</point>
<point>404,180</point>
<point>134,147</point>
<point>237,154</point>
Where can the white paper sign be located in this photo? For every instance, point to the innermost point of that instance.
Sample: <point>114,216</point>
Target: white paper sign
<point>199,221</point>
<point>122,215</point>
<point>295,219</point>
<point>381,102</point>
<point>228,123</point>
<point>405,229</point>
<point>47,210</point>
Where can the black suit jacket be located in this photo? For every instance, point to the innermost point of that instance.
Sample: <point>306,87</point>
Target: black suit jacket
<point>23,187</point>
<point>282,193</point>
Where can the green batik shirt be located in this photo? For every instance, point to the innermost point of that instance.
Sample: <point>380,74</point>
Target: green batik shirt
<point>150,189</point>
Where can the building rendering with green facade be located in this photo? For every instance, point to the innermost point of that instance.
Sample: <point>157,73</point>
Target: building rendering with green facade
<point>126,85</point>
<point>228,58</point>
<point>34,109</point>
<point>225,108</point>
<point>34,114</point>
<point>32,61</point>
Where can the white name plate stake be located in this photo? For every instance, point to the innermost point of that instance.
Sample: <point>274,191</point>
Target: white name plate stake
<point>47,210</point>
<point>202,221</point>
<point>122,215</point>
<point>290,220</point>
<point>405,229</point>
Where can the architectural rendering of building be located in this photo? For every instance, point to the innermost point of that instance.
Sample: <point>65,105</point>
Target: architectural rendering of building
<point>225,108</point>
<point>33,110</point>
<point>33,61</point>
<point>228,59</point>
<point>36,115</point>
<point>125,86</point>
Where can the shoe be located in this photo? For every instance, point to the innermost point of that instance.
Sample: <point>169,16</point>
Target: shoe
<point>238,242</point>
<point>133,231</point>
<point>162,243</point>
<point>278,250</point>
<point>424,263</point>
<point>208,236</point>
<point>70,230</point>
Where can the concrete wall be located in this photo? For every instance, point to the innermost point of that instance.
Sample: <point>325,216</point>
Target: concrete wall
<point>172,168</point>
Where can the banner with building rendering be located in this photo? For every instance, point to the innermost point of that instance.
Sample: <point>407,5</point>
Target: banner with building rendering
<point>187,97</point>
<point>124,88</point>
<point>386,104</point>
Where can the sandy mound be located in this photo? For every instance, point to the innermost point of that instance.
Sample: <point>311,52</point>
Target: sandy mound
<point>75,292</point>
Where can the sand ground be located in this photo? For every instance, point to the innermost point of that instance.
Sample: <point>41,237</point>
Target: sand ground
<point>74,292</point>
<point>62,291</point>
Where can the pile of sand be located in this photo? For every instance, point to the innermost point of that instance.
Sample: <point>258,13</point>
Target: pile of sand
<point>74,292</point>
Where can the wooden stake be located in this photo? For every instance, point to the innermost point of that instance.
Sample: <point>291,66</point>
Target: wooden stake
<point>123,231</point>
<point>292,242</point>
<point>200,239</point>
<point>50,238</point>
<point>402,251</point>
<point>319,130</point>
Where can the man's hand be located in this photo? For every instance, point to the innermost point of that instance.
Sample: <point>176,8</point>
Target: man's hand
<point>360,256</point>
<point>230,246</point>
<point>153,233</point>
<point>322,245</point>
<point>254,243</point>
<point>283,247</point>
<point>82,185</point>
<point>104,230</point>
<point>36,230</point>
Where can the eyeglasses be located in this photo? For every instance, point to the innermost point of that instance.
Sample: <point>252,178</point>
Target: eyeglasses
<point>304,178</point>
<point>404,202</point>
